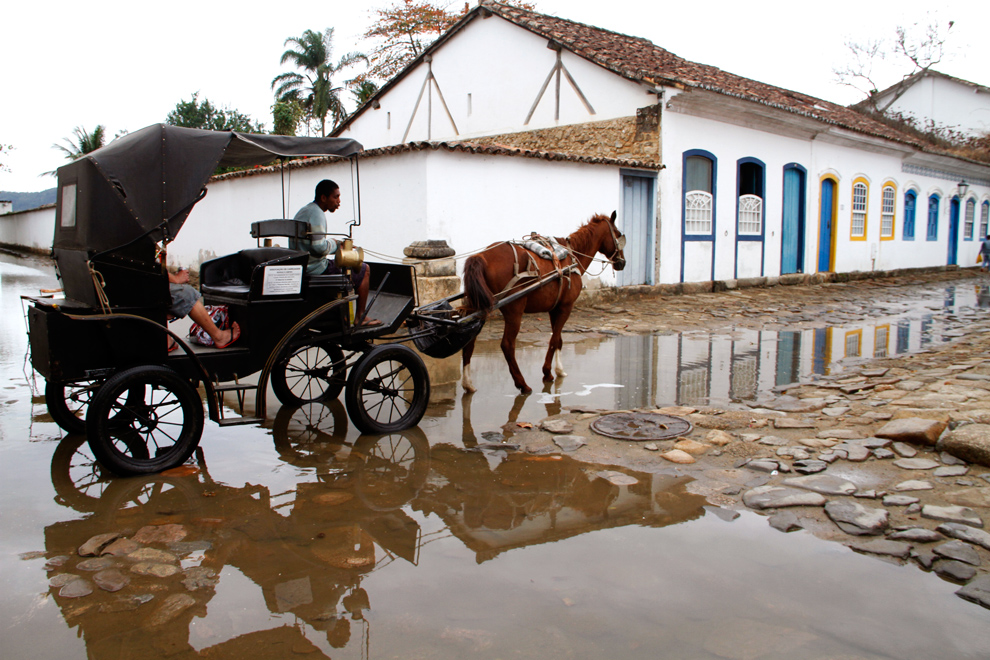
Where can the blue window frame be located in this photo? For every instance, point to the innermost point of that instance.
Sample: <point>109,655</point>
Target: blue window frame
<point>933,203</point>
<point>910,204</point>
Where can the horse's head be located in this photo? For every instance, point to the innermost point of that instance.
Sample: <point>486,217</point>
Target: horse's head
<point>612,244</point>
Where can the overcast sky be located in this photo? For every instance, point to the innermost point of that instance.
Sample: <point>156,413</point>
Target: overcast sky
<point>126,64</point>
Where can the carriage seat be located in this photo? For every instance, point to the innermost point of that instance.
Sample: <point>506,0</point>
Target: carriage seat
<point>240,276</point>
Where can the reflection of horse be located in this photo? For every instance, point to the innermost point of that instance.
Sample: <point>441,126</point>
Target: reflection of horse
<point>505,267</point>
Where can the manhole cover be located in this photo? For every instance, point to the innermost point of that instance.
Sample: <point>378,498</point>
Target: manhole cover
<point>640,427</point>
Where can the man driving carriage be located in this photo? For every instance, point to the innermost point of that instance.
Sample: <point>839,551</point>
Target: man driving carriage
<point>320,246</point>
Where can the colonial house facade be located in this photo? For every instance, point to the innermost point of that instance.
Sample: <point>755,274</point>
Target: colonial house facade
<point>937,100</point>
<point>749,180</point>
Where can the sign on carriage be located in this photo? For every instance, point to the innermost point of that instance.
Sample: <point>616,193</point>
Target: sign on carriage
<point>282,280</point>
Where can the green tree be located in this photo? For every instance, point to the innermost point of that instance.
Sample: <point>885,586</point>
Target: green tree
<point>82,142</point>
<point>364,90</point>
<point>5,150</point>
<point>312,53</point>
<point>286,116</point>
<point>196,114</point>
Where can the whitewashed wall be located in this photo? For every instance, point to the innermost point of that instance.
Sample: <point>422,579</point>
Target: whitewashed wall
<point>948,103</point>
<point>729,143</point>
<point>501,67</point>
<point>32,229</point>
<point>468,200</point>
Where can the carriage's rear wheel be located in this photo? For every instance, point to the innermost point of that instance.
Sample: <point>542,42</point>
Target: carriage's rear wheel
<point>143,420</point>
<point>388,390</point>
<point>311,373</point>
<point>68,402</point>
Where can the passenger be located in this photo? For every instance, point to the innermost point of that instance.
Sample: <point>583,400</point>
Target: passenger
<point>187,301</point>
<point>985,254</point>
<point>320,246</point>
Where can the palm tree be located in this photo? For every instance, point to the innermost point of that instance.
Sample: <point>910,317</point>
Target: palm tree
<point>84,143</point>
<point>363,91</point>
<point>313,88</point>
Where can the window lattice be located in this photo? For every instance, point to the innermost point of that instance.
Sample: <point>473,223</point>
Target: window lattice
<point>880,343</point>
<point>852,344</point>
<point>750,214</point>
<point>887,213</point>
<point>693,388</point>
<point>698,212</point>
<point>970,219</point>
<point>859,210</point>
<point>984,219</point>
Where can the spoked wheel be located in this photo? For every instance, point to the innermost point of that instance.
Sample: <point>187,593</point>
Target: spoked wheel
<point>387,390</point>
<point>392,468</point>
<point>143,420</point>
<point>78,478</point>
<point>315,372</point>
<point>312,434</point>
<point>68,402</point>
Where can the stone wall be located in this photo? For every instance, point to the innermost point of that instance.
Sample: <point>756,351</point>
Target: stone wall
<point>634,138</point>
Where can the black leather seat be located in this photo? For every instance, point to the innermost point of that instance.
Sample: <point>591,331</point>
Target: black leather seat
<point>240,276</point>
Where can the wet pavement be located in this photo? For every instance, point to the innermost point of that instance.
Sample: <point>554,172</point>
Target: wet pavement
<point>503,526</point>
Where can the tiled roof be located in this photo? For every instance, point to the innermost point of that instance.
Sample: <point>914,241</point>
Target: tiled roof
<point>462,147</point>
<point>640,60</point>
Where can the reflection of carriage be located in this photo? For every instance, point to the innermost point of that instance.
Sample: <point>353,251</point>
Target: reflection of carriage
<point>102,348</point>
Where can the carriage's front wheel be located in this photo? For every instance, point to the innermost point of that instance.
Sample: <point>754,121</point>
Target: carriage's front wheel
<point>150,432</point>
<point>388,390</point>
<point>311,373</point>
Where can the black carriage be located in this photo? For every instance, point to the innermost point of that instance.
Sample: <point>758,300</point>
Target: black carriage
<point>102,346</point>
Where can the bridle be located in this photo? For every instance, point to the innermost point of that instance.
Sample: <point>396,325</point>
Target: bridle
<point>618,241</point>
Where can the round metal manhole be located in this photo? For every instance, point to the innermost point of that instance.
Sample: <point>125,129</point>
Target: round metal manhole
<point>640,427</point>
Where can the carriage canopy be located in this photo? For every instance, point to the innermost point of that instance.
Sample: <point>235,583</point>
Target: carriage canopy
<point>140,188</point>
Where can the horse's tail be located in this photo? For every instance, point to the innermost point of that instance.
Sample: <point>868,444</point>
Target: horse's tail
<point>479,296</point>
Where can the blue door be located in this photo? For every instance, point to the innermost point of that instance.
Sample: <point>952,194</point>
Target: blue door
<point>953,230</point>
<point>792,231</point>
<point>637,224</point>
<point>825,226</point>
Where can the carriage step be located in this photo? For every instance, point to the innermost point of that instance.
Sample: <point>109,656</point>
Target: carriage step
<point>236,421</point>
<point>233,387</point>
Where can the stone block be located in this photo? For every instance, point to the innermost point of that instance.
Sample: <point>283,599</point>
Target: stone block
<point>433,267</point>
<point>971,443</point>
<point>436,288</point>
<point>912,429</point>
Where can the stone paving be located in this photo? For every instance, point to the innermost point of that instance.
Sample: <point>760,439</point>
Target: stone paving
<point>891,459</point>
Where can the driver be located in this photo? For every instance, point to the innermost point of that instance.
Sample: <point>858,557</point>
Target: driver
<point>327,198</point>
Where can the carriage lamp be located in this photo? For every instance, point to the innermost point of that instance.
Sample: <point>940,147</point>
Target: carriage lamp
<point>348,256</point>
<point>963,187</point>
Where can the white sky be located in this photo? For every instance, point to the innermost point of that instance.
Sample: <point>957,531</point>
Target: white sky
<point>126,64</point>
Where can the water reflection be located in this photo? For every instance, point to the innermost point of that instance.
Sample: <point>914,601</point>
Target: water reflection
<point>310,551</point>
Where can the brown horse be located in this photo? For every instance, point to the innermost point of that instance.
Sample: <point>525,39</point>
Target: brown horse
<point>489,273</point>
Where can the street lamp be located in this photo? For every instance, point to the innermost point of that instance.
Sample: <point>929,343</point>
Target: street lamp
<point>963,187</point>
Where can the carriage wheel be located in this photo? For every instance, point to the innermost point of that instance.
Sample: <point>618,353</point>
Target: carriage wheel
<point>315,372</point>
<point>387,390</point>
<point>312,434</point>
<point>68,402</point>
<point>393,468</point>
<point>143,420</point>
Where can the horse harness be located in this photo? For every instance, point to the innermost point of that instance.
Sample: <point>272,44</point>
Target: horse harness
<point>548,250</point>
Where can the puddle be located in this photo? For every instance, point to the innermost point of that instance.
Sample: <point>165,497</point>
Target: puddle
<point>310,539</point>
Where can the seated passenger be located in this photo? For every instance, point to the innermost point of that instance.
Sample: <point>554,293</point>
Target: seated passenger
<point>187,301</point>
<point>320,246</point>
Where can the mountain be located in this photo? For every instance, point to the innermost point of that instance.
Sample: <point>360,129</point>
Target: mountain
<point>26,201</point>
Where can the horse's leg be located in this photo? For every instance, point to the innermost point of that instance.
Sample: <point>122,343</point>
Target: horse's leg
<point>466,354</point>
<point>558,317</point>
<point>512,315</point>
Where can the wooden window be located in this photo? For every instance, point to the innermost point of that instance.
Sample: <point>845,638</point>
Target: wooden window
<point>910,204</point>
<point>698,195</point>
<point>933,202</point>
<point>859,205</point>
<point>970,220</point>
<point>984,219</point>
<point>854,341</point>
<point>889,198</point>
<point>881,339</point>
<point>749,220</point>
<point>750,214</point>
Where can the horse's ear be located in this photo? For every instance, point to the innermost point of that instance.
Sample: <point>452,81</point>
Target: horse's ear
<point>613,217</point>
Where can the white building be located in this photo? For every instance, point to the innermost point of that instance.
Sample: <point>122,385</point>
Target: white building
<point>756,180</point>
<point>936,100</point>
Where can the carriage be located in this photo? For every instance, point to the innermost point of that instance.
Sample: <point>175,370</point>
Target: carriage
<point>101,346</point>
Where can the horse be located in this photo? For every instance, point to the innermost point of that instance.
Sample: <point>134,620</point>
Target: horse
<point>497,270</point>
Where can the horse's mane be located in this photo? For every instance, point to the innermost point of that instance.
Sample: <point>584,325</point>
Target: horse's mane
<point>587,228</point>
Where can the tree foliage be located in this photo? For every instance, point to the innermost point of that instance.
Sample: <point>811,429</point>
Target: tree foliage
<point>82,142</point>
<point>203,114</point>
<point>5,150</point>
<point>404,29</point>
<point>286,116</point>
<point>363,91</point>
<point>914,49</point>
<point>313,85</point>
